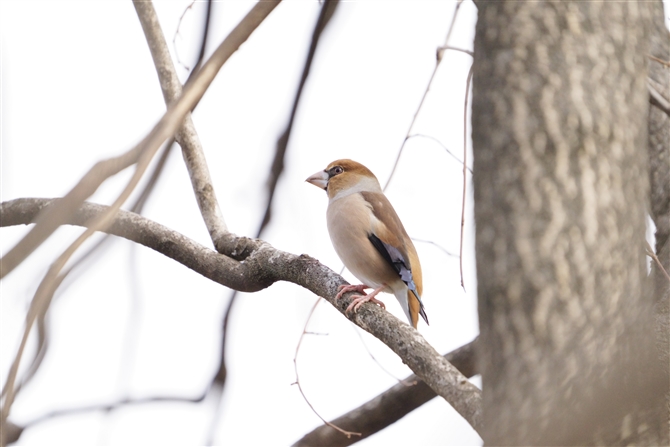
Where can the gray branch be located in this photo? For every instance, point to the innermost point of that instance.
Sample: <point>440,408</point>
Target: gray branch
<point>255,265</point>
<point>387,408</point>
<point>164,129</point>
<point>187,137</point>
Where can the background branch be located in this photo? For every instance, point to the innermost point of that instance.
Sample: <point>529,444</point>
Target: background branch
<point>387,408</point>
<point>165,128</point>
<point>440,52</point>
<point>327,10</point>
<point>276,168</point>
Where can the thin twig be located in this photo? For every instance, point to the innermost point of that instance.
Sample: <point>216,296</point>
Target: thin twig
<point>111,406</point>
<point>465,154</point>
<point>656,98</point>
<point>389,406</point>
<point>650,253</point>
<point>462,50</point>
<point>441,144</point>
<point>660,61</point>
<point>219,380</point>
<point>177,33</point>
<point>204,39</point>
<point>451,27</point>
<point>423,98</point>
<point>346,433</point>
<point>447,252</point>
<point>367,348</point>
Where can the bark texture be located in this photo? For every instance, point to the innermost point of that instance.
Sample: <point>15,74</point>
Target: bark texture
<point>659,128</point>
<point>560,106</point>
<point>659,176</point>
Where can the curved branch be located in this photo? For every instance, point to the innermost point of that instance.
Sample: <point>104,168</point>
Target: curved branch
<point>187,137</point>
<point>387,408</point>
<point>263,265</point>
<point>166,127</point>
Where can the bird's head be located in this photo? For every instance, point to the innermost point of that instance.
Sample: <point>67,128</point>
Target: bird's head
<point>344,177</point>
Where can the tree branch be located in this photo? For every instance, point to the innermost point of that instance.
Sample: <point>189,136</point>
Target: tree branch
<point>387,408</point>
<point>276,169</point>
<point>327,10</point>
<point>440,52</point>
<point>165,128</point>
<point>187,137</point>
<point>264,265</point>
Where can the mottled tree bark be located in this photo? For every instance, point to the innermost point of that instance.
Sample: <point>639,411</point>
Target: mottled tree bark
<point>659,176</point>
<point>560,105</point>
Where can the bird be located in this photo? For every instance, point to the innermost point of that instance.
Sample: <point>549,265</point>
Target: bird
<point>369,238</point>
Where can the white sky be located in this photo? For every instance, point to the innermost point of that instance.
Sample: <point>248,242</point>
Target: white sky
<point>78,85</point>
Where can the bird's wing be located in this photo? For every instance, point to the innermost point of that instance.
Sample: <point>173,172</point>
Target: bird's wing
<point>389,237</point>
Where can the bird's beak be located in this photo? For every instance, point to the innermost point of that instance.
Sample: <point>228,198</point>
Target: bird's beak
<point>319,179</point>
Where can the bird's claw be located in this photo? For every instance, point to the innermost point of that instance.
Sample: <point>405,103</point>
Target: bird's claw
<point>358,301</point>
<point>360,288</point>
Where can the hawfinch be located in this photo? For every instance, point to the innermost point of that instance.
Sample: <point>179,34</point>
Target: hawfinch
<point>369,238</point>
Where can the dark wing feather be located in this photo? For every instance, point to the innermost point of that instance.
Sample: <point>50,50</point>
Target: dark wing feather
<point>396,260</point>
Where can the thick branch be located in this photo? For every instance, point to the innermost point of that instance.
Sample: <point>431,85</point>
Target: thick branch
<point>387,408</point>
<point>262,266</point>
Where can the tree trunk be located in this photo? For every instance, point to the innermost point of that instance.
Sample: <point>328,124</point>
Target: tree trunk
<point>561,182</point>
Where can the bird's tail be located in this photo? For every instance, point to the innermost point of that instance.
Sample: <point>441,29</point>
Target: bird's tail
<point>416,307</point>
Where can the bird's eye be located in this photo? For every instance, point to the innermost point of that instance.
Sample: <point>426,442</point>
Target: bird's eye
<point>336,170</point>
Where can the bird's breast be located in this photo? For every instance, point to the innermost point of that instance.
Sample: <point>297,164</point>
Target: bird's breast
<point>350,221</point>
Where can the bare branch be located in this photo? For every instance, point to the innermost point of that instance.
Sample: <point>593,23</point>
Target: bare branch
<point>440,143</point>
<point>659,60</point>
<point>346,433</point>
<point>111,406</point>
<point>387,408</point>
<point>441,248</point>
<point>652,255</point>
<point>327,10</point>
<point>465,159</point>
<point>656,98</point>
<point>178,34</point>
<point>264,265</point>
<point>187,137</point>
<point>425,94</point>
<point>449,47</point>
<point>166,127</point>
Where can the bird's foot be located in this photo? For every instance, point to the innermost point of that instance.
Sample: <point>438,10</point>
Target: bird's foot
<point>358,300</point>
<point>349,288</point>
